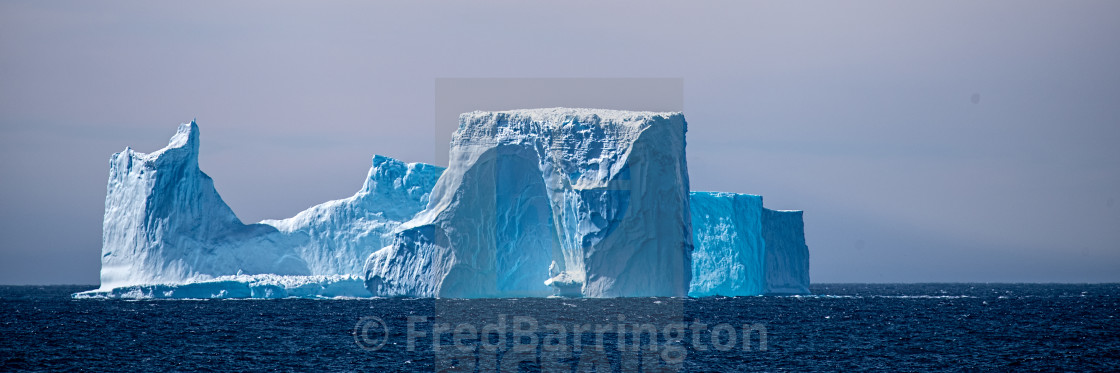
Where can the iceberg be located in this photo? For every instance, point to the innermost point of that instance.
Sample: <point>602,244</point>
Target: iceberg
<point>543,201</point>
<point>743,248</point>
<point>534,203</point>
<point>166,227</point>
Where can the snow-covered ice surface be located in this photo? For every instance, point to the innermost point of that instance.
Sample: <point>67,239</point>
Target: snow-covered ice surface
<point>601,196</point>
<point>335,237</point>
<point>743,248</point>
<point>575,202</point>
<point>166,227</point>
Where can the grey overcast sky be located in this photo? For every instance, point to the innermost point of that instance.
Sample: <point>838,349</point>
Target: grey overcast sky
<point>927,141</point>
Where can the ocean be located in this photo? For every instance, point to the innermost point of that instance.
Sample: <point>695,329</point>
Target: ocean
<point>894,327</point>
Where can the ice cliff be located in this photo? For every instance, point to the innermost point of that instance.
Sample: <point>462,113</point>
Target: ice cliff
<point>743,248</point>
<point>575,202</point>
<point>591,202</point>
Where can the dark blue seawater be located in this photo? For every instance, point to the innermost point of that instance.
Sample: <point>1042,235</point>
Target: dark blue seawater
<point>911,327</point>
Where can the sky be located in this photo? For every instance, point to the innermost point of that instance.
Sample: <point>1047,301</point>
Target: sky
<point>926,141</point>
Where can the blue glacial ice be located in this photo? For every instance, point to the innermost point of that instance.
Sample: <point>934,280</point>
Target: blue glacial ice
<point>576,202</point>
<point>742,248</point>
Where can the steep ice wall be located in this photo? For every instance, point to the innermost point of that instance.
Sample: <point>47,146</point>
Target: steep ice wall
<point>595,200</point>
<point>165,223</point>
<point>787,255</point>
<point>742,248</point>
<point>729,253</point>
